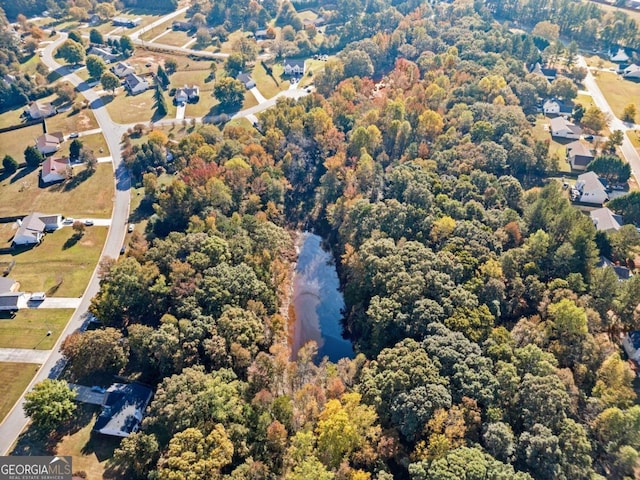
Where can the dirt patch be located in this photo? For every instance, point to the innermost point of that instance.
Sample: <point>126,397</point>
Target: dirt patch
<point>87,243</point>
<point>84,122</point>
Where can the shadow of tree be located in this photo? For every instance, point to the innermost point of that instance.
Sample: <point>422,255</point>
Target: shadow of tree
<point>23,172</point>
<point>72,240</point>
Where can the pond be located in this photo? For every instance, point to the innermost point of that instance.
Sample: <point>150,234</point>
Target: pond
<point>317,301</point>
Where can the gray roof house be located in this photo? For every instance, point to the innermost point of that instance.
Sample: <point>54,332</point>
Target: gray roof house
<point>12,301</point>
<point>563,128</point>
<point>122,69</point>
<point>135,84</point>
<point>294,67</point>
<point>631,344</point>
<point>247,81</point>
<point>32,228</point>
<point>8,285</point>
<point>579,155</point>
<point>187,94</point>
<point>605,220</point>
<point>122,409</point>
<point>104,53</point>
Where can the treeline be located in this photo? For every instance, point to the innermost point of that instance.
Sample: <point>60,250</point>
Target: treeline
<point>488,336</point>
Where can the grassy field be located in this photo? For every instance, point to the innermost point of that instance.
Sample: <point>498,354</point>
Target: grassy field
<point>71,121</point>
<point>139,108</point>
<point>634,136</point>
<point>28,328</point>
<point>599,61</point>
<point>95,142</point>
<point>176,38</point>
<point>267,85</point>
<point>58,260</point>
<point>78,197</point>
<point>14,377</point>
<point>163,27</point>
<point>14,142</point>
<point>313,66</point>
<point>9,118</point>
<point>618,92</point>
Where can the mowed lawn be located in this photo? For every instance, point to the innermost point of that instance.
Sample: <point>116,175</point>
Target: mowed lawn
<point>20,194</point>
<point>71,121</point>
<point>14,142</point>
<point>140,108</point>
<point>555,147</point>
<point>58,261</point>
<point>14,378</point>
<point>28,328</point>
<point>618,92</point>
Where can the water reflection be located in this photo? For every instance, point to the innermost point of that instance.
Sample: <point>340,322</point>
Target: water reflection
<point>318,302</point>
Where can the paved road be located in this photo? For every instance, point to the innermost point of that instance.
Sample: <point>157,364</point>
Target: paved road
<point>24,355</point>
<point>16,421</point>
<point>628,150</point>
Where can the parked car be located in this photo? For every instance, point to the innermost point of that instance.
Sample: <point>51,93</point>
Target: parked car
<point>38,296</point>
<point>74,135</point>
<point>68,221</point>
<point>88,222</point>
<point>130,228</point>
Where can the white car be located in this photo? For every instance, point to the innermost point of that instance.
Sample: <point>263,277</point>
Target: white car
<point>38,296</point>
<point>68,221</point>
<point>130,228</point>
<point>88,222</point>
<point>74,135</point>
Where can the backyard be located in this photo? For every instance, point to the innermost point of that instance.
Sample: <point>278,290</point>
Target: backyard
<point>28,328</point>
<point>14,142</point>
<point>80,196</point>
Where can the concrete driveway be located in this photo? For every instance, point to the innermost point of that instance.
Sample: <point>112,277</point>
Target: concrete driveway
<point>180,109</point>
<point>24,355</point>
<point>55,302</point>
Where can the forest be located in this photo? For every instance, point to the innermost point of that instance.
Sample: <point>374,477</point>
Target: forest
<point>487,336</point>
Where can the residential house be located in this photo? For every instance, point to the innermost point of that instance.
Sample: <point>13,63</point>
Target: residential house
<point>622,272</point>
<point>12,301</point>
<point>39,110</point>
<point>605,220</point>
<point>31,229</point>
<point>632,72</point>
<point>247,81</point>
<point>54,170</point>
<point>294,67</point>
<point>591,189</point>
<point>122,410</point>
<point>549,73</point>
<point>619,57</point>
<point>94,19</point>
<point>105,53</point>
<point>261,34</point>
<point>122,69</point>
<point>49,142</point>
<point>8,285</point>
<point>135,84</point>
<point>554,106</point>
<point>631,344</point>
<point>562,128</point>
<point>187,94</point>
<point>183,26</point>
<point>579,155</point>
<point>126,22</point>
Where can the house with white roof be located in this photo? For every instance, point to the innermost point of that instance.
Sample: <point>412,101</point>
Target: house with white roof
<point>49,142</point>
<point>620,56</point>
<point>122,69</point>
<point>591,189</point>
<point>605,220</point>
<point>31,229</point>
<point>39,110</point>
<point>632,71</point>
<point>563,128</point>
<point>555,106</point>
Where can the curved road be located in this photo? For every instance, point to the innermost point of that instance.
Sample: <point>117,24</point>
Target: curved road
<point>16,421</point>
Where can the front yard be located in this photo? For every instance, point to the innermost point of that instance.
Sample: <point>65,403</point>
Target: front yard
<point>28,328</point>
<point>20,194</point>
<point>59,266</point>
<point>618,91</point>
<point>14,378</point>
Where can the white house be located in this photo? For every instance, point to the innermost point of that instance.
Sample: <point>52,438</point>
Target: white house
<point>54,169</point>
<point>135,84</point>
<point>41,110</point>
<point>187,94</point>
<point>122,69</point>
<point>126,22</point>
<point>591,190</point>
<point>562,128</point>
<point>294,67</point>
<point>605,220</point>
<point>632,71</point>
<point>620,56</point>
<point>49,142</point>
<point>247,81</point>
<point>579,155</point>
<point>104,53</point>
<point>554,106</point>
<point>631,344</point>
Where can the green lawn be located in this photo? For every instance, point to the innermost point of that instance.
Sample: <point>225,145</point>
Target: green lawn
<point>125,108</point>
<point>58,261</point>
<point>175,38</point>
<point>21,194</point>
<point>9,118</point>
<point>163,27</point>
<point>618,92</point>
<point>28,328</point>
<point>267,85</point>
<point>15,378</point>
<point>14,142</point>
<point>95,142</point>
